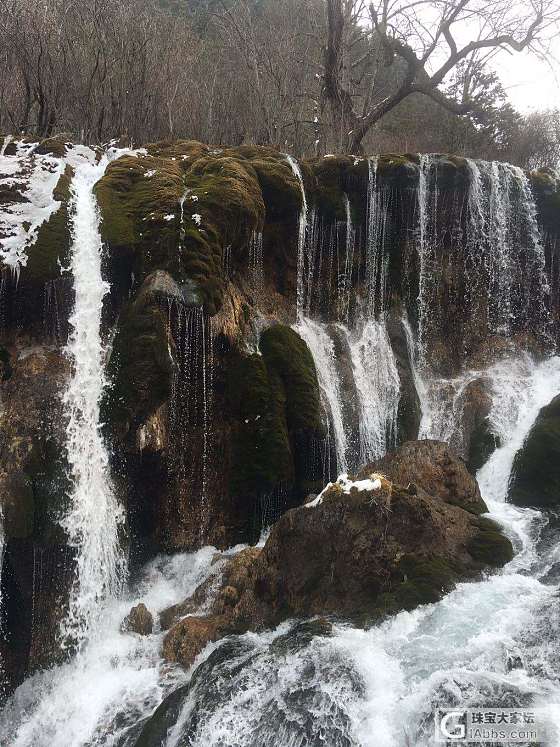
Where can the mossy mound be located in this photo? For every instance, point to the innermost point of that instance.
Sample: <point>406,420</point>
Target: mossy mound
<point>51,249</point>
<point>140,366</point>
<point>261,448</point>
<point>139,202</point>
<point>491,547</point>
<point>179,212</point>
<point>274,400</point>
<point>53,146</point>
<point>536,469</point>
<point>288,357</point>
<point>184,150</point>
<point>424,581</point>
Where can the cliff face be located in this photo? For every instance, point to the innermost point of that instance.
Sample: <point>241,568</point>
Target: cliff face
<point>215,412</point>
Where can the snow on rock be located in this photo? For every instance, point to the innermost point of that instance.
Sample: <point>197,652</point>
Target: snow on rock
<point>346,485</point>
<point>32,180</point>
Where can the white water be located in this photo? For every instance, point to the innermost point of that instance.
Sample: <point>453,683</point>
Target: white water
<point>346,272</point>
<point>489,643</point>
<point>378,387</point>
<point>322,349</point>
<point>116,678</point>
<point>302,235</point>
<point>95,516</point>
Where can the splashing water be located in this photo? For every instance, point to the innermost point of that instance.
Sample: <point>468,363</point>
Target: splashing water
<point>376,259</point>
<point>378,387</point>
<point>322,349</point>
<point>346,273</point>
<point>95,516</point>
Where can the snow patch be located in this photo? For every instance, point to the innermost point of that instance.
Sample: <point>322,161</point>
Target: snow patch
<point>347,485</point>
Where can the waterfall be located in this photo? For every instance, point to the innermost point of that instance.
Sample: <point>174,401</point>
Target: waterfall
<point>425,251</point>
<point>346,274</point>
<point>256,266</point>
<point>378,387</point>
<point>376,260</point>
<point>95,516</point>
<point>302,235</point>
<point>492,246</point>
<point>191,402</point>
<point>520,389</point>
<point>321,346</point>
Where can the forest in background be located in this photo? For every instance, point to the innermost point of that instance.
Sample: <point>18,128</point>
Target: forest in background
<point>298,75</point>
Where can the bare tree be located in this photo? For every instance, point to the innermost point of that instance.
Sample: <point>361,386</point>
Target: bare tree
<point>422,41</point>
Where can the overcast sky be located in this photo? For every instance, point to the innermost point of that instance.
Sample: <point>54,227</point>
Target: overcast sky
<point>530,83</point>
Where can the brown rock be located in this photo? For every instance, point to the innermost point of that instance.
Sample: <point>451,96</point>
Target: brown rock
<point>187,638</point>
<point>139,620</point>
<point>432,466</point>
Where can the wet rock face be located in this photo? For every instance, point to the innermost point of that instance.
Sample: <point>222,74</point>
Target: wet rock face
<point>37,567</point>
<point>139,620</point>
<point>536,470</point>
<point>361,550</point>
<point>433,467</point>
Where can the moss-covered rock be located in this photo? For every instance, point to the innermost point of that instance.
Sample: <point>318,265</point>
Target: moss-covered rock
<point>288,357</point>
<point>50,250</point>
<point>261,449</point>
<point>536,469</point>
<point>490,547</point>
<point>140,367</point>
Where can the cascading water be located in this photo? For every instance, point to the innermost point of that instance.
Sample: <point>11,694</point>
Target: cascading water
<point>322,349</point>
<point>376,258</point>
<point>256,260</point>
<point>378,387</point>
<point>95,516</point>
<point>302,235</point>
<point>346,271</point>
<point>191,396</point>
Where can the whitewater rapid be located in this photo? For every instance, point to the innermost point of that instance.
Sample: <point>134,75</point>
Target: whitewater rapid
<point>95,515</point>
<point>493,642</point>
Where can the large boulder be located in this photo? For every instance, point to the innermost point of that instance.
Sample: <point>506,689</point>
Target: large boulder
<point>536,470</point>
<point>433,467</point>
<point>363,549</point>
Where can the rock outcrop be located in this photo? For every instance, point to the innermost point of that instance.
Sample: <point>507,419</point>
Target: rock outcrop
<point>535,479</point>
<point>361,550</point>
<point>139,620</point>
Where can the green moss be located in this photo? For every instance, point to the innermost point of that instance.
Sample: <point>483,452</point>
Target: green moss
<point>424,580</point>
<point>261,453</point>
<point>184,150</point>
<point>51,249</point>
<point>135,196</point>
<point>178,212</point>
<point>490,547</point>
<point>536,468</point>
<point>281,190</point>
<point>52,146</point>
<point>291,365</point>
<point>139,369</point>
<point>331,176</point>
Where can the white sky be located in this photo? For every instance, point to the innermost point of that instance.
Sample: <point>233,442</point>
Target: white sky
<point>530,83</point>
